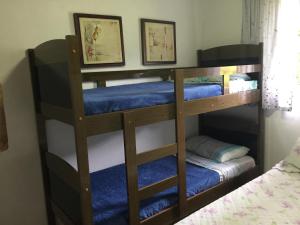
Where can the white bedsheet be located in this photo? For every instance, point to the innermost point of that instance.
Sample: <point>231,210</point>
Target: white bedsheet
<point>271,199</point>
<point>227,169</point>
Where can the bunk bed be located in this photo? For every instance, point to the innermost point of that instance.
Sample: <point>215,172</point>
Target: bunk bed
<point>153,187</point>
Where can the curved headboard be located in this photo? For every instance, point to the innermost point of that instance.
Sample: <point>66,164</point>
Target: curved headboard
<point>240,54</point>
<point>50,73</point>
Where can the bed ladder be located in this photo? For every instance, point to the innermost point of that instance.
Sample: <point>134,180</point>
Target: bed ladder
<point>131,120</point>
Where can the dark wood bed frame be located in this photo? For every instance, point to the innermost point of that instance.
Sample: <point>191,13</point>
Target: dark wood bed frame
<point>3,130</point>
<point>57,85</point>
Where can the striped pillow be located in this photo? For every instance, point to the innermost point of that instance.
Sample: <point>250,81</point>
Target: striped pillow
<point>213,149</point>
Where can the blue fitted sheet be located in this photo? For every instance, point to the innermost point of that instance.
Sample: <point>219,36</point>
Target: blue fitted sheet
<point>131,96</point>
<point>109,195</point>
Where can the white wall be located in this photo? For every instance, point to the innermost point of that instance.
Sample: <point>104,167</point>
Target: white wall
<point>222,24</point>
<point>25,24</point>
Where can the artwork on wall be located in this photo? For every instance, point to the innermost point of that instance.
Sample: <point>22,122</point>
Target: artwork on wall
<point>101,39</point>
<point>158,42</point>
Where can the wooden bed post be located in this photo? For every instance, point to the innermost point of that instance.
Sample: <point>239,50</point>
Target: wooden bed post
<point>131,170</point>
<point>3,130</point>
<point>180,139</point>
<point>42,138</point>
<point>75,79</point>
<point>261,137</point>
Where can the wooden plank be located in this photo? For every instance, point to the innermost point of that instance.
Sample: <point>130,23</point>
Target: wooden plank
<point>211,104</point>
<point>158,113</point>
<point>42,137</point>
<point>51,69</point>
<point>195,72</point>
<point>261,116</point>
<point>34,80</point>
<point>229,55</point>
<point>126,74</point>
<point>131,169</point>
<point>51,52</point>
<point>59,213</point>
<point>170,215</point>
<point>63,170</point>
<point>156,154</point>
<point>104,123</point>
<point>164,217</point>
<point>56,112</point>
<point>165,73</point>
<point>150,190</point>
<point>3,129</point>
<point>204,198</point>
<point>180,139</point>
<point>108,122</point>
<point>75,80</point>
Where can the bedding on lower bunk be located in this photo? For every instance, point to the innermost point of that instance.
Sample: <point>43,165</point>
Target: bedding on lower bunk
<point>226,170</point>
<point>131,96</point>
<point>272,199</point>
<point>109,195</point>
<point>109,185</point>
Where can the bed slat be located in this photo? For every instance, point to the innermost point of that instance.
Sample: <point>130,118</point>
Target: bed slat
<point>56,112</point>
<point>156,154</point>
<point>148,191</point>
<point>131,169</point>
<point>180,139</point>
<point>225,70</point>
<point>211,104</point>
<point>63,170</point>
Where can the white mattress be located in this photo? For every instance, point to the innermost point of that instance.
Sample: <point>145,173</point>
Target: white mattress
<point>271,199</point>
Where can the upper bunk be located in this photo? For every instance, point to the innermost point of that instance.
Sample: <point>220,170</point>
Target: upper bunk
<point>57,82</point>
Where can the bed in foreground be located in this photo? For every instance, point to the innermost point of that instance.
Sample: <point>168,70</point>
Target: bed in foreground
<point>271,199</point>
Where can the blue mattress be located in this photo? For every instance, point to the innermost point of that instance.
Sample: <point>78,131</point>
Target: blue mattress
<point>131,96</point>
<point>109,195</point>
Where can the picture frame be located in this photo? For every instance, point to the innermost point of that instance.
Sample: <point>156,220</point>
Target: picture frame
<point>101,39</point>
<point>158,42</point>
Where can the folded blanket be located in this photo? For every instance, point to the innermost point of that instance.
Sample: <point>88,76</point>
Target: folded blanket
<point>226,170</point>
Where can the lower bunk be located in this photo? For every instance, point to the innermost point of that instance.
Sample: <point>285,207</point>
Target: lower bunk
<point>272,198</point>
<point>109,193</point>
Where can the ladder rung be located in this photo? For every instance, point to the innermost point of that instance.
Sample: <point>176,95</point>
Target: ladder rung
<point>156,154</point>
<point>155,188</point>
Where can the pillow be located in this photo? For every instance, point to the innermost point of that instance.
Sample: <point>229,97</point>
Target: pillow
<point>240,76</point>
<point>294,157</point>
<point>211,148</point>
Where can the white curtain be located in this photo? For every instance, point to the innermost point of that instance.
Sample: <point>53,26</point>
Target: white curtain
<point>276,24</point>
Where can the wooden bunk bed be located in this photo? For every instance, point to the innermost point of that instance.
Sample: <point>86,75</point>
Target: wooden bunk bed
<point>57,85</point>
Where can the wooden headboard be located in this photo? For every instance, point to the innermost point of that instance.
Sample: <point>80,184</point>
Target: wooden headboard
<point>240,54</point>
<point>241,125</point>
<point>3,131</point>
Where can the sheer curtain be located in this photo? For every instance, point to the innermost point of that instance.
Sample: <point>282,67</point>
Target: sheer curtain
<point>276,24</point>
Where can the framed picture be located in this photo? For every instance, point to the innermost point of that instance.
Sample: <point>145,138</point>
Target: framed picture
<point>158,42</point>
<point>101,39</point>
